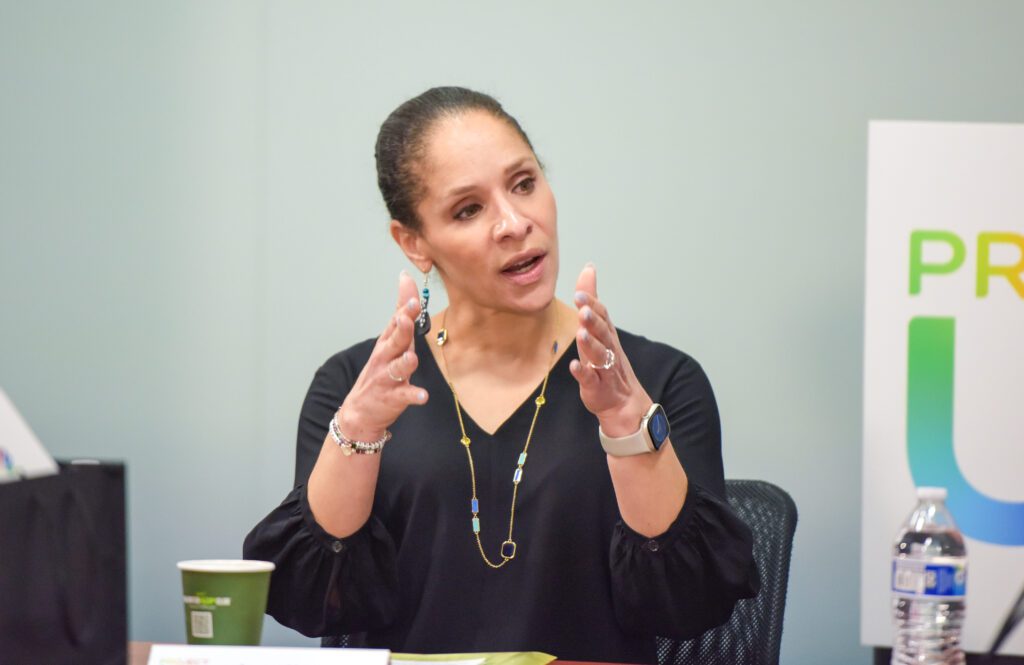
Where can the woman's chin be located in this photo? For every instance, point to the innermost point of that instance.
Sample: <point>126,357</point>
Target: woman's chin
<point>537,300</point>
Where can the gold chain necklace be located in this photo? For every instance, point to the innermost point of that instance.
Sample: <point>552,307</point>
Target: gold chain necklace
<point>508,547</point>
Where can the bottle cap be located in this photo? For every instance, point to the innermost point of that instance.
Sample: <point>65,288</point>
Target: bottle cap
<point>931,493</point>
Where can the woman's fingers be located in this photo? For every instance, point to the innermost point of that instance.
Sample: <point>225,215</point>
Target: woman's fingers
<point>593,314</point>
<point>406,289</point>
<point>598,344</point>
<point>398,339</point>
<point>385,334</point>
<point>586,376</point>
<point>408,395</point>
<point>410,310</point>
<point>596,336</point>
<point>401,368</point>
<point>382,391</point>
<point>587,281</point>
<point>593,350</point>
<point>597,327</point>
<point>583,299</point>
<point>409,298</point>
<point>401,337</point>
<point>398,389</point>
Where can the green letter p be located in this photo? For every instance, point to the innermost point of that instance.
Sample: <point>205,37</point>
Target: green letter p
<point>917,265</point>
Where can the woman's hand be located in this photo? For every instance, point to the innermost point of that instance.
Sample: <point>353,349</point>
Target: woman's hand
<point>614,394</point>
<point>650,489</point>
<point>382,391</point>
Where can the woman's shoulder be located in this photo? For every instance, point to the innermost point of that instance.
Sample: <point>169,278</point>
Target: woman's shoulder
<point>658,363</point>
<point>641,349</point>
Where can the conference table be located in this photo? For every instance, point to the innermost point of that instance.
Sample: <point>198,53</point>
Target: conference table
<point>138,654</point>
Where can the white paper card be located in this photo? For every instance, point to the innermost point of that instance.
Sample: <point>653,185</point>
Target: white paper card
<point>180,654</point>
<point>473,661</point>
<point>21,453</point>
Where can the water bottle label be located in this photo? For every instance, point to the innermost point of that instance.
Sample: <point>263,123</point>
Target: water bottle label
<point>946,577</point>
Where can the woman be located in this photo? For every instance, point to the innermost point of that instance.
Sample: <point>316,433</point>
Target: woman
<point>446,539</point>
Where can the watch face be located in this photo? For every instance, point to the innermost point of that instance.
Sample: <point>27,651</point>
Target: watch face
<point>657,426</point>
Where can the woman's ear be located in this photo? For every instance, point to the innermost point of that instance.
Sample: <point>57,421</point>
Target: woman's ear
<point>412,244</point>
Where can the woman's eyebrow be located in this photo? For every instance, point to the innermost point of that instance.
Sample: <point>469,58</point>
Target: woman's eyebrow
<point>511,168</point>
<point>518,164</point>
<point>459,191</point>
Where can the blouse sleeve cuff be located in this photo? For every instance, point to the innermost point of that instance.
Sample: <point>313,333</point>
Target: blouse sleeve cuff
<point>688,578</point>
<point>681,527</point>
<point>332,544</point>
<point>323,585</point>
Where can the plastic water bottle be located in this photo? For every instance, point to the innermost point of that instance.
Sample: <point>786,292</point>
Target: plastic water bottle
<point>929,576</point>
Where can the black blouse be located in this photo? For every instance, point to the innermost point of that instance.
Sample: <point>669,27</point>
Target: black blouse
<point>582,585</point>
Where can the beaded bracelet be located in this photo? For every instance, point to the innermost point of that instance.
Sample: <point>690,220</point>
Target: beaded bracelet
<point>358,447</point>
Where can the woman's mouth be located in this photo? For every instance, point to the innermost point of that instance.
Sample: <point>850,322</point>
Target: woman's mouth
<point>522,266</point>
<point>526,271</point>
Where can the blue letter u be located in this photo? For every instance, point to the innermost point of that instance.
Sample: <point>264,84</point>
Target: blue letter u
<point>930,353</point>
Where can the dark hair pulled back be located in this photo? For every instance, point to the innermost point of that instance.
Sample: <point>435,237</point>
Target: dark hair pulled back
<point>401,143</point>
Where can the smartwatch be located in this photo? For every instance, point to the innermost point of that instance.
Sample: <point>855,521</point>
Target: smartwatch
<point>653,432</point>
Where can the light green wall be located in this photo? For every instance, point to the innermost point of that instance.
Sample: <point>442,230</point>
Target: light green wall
<point>189,225</point>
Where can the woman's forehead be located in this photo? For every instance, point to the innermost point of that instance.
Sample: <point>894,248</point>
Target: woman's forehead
<point>469,147</point>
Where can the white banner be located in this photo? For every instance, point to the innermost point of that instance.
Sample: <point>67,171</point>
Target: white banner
<point>944,357</point>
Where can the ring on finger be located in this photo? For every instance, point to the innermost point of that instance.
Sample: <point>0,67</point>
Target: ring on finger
<point>609,361</point>
<point>399,379</point>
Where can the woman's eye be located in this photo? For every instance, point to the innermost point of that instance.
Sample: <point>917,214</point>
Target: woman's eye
<point>525,185</point>
<point>468,211</point>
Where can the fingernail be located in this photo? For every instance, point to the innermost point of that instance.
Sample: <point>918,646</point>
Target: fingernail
<point>398,320</point>
<point>588,314</point>
<point>585,334</point>
<point>422,395</point>
<point>591,266</point>
<point>580,297</point>
<point>411,304</point>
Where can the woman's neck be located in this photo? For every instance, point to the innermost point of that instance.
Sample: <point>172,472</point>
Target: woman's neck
<point>504,337</point>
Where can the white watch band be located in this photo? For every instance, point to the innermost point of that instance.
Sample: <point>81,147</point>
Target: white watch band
<point>653,432</point>
<point>637,443</point>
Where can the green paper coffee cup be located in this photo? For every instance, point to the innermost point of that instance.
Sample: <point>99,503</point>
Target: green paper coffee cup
<point>225,600</point>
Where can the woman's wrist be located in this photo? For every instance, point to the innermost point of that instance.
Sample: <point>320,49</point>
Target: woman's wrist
<point>625,420</point>
<point>355,428</point>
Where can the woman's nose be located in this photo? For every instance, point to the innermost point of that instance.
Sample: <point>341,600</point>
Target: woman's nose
<point>511,223</point>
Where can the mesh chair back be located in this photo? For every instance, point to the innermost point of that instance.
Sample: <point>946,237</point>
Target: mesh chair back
<point>753,635</point>
<point>334,641</point>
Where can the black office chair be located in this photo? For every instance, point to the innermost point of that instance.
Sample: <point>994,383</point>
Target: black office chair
<point>334,641</point>
<point>753,635</point>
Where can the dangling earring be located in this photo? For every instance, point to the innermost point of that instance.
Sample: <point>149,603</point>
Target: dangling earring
<point>423,320</point>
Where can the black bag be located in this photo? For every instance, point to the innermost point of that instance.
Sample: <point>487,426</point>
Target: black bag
<point>63,581</point>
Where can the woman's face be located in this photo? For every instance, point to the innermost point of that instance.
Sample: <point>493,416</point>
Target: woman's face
<point>488,215</point>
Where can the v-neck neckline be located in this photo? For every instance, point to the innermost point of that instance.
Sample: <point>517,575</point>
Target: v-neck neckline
<point>422,347</point>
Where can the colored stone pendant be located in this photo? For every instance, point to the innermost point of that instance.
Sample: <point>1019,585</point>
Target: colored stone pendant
<point>508,549</point>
